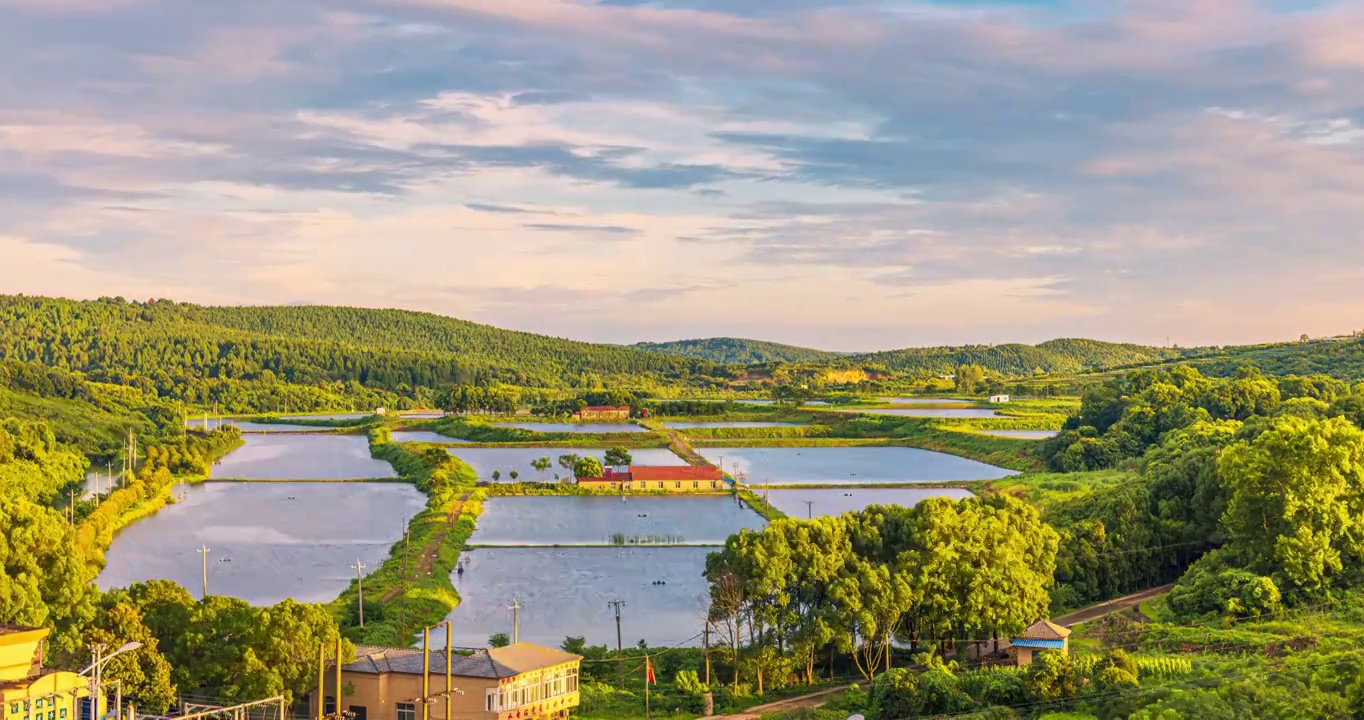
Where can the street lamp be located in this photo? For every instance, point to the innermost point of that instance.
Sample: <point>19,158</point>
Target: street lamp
<point>97,667</point>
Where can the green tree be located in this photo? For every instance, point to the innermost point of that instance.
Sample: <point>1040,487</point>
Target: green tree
<point>969,378</point>
<point>541,465</point>
<point>618,455</point>
<point>144,673</point>
<point>514,475</point>
<point>587,467</point>
<point>498,640</point>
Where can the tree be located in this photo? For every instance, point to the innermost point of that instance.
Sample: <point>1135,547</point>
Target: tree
<point>498,640</point>
<point>618,455</point>
<point>587,467</point>
<point>969,378</point>
<point>514,475</point>
<point>1296,507</point>
<point>144,673</point>
<point>869,602</point>
<point>497,475</point>
<point>541,465</point>
<point>568,462</point>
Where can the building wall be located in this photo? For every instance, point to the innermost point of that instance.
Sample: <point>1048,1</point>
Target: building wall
<point>672,486</point>
<point>586,414</point>
<point>381,694</point>
<point>54,696</point>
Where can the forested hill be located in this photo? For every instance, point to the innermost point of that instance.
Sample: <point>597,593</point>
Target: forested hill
<point>1056,357</point>
<point>741,351</point>
<point>164,342</point>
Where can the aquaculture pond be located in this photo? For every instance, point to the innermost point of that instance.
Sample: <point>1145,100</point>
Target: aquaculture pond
<point>248,426</point>
<point>737,424</point>
<point>578,427</point>
<point>330,416</point>
<point>406,436</point>
<point>934,412</point>
<point>836,501</point>
<point>303,457</point>
<point>849,465</point>
<point>266,541</point>
<point>485,460</point>
<point>582,520</point>
<point>955,402</point>
<point>1022,434</point>
<point>564,591</point>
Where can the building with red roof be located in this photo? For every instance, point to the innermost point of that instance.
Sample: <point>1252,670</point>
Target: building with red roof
<point>659,478</point>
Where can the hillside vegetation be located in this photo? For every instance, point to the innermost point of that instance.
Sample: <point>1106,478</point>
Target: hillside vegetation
<point>740,351</point>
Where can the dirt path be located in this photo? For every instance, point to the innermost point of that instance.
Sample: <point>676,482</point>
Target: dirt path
<point>1094,612</point>
<point>678,444</point>
<point>813,700</point>
<point>431,549</point>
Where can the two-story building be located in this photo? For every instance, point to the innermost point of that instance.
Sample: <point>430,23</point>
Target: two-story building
<point>518,682</point>
<point>659,478</point>
<point>603,412</point>
<point>29,692</point>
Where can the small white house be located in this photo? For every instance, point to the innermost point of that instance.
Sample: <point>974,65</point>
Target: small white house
<point>380,411</point>
<point>999,398</point>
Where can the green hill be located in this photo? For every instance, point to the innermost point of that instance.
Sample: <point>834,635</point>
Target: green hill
<point>167,345</point>
<point>1055,357</point>
<point>740,351</point>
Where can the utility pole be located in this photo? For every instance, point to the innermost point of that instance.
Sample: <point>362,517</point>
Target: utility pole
<point>648,676</point>
<point>705,649</point>
<point>360,578</point>
<point>809,509</point>
<point>449,673</point>
<point>620,656</point>
<point>71,508</point>
<point>426,673</point>
<point>203,550</point>
<point>516,620</point>
<point>402,598</point>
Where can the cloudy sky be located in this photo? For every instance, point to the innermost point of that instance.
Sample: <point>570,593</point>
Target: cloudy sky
<point>847,174</point>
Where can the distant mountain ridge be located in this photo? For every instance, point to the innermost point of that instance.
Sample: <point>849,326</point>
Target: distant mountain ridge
<point>740,351</point>
<point>1068,355</point>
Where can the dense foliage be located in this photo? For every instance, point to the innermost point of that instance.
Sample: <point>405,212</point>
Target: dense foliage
<point>739,351</point>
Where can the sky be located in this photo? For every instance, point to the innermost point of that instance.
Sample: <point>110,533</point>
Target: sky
<point>843,174</point>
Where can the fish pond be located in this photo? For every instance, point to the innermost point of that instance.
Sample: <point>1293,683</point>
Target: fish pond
<point>954,402</point>
<point>564,591</point>
<point>826,502</point>
<point>934,412</point>
<point>303,457</point>
<point>577,427</point>
<point>485,460</point>
<point>589,520</point>
<point>266,541</point>
<point>330,416</point>
<point>717,424</point>
<point>248,426</point>
<point>1022,434</point>
<point>849,465</point>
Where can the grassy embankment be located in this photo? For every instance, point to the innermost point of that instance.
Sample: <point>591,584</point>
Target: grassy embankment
<point>491,435</point>
<point>412,588</point>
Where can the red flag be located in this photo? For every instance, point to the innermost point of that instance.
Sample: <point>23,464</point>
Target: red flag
<point>649,668</point>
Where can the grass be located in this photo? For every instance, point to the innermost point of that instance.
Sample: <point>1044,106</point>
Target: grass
<point>1046,489</point>
<point>761,506</point>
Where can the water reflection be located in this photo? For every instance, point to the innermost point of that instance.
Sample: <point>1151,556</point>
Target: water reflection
<point>303,457</point>
<point>928,412</point>
<point>248,426</point>
<point>405,436</point>
<point>850,465</point>
<point>267,541</point>
<point>836,501</point>
<point>1022,434</point>
<point>578,427</point>
<point>564,591</point>
<point>582,520</point>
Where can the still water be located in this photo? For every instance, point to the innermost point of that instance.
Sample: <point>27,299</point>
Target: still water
<point>930,412</point>
<point>1022,434</point>
<point>248,426</point>
<point>330,416</point>
<point>564,591</point>
<point>930,401</point>
<point>485,460</point>
<point>405,436</point>
<point>702,425</point>
<point>267,541</point>
<point>303,457</point>
<point>583,520</point>
<point>578,427</point>
<point>836,501</point>
<point>849,465</point>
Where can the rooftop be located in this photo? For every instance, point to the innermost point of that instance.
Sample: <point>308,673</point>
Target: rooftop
<point>658,472</point>
<point>1045,630</point>
<point>492,663</point>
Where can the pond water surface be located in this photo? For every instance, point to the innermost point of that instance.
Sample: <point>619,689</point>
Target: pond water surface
<point>248,426</point>
<point>1022,434</point>
<point>928,401</point>
<point>702,425</point>
<point>564,591</point>
<point>849,465</point>
<point>485,460</point>
<point>263,545</point>
<point>329,416</point>
<point>836,501</point>
<point>931,412</point>
<point>578,427</point>
<point>707,519</point>
<point>303,457</point>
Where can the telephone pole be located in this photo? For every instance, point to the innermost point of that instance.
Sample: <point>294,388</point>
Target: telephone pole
<point>360,579</point>
<point>620,656</point>
<point>809,509</point>
<point>203,550</point>
<point>402,598</point>
<point>515,607</point>
<point>705,649</point>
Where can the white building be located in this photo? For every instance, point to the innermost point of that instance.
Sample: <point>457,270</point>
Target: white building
<point>999,398</point>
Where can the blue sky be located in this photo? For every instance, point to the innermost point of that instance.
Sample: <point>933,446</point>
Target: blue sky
<point>862,174</point>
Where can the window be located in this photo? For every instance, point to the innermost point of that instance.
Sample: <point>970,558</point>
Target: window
<point>695,484</point>
<point>359,712</point>
<point>328,704</point>
<point>714,484</point>
<point>677,485</point>
<point>492,700</point>
<point>14,708</point>
<point>51,715</point>
<point>660,485</point>
<point>407,711</point>
<point>573,679</point>
<point>63,714</point>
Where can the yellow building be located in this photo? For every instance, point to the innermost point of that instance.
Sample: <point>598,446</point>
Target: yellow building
<point>27,692</point>
<point>518,682</point>
<point>679,479</point>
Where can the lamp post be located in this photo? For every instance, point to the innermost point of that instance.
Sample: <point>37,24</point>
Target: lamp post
<point>97,667</point>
